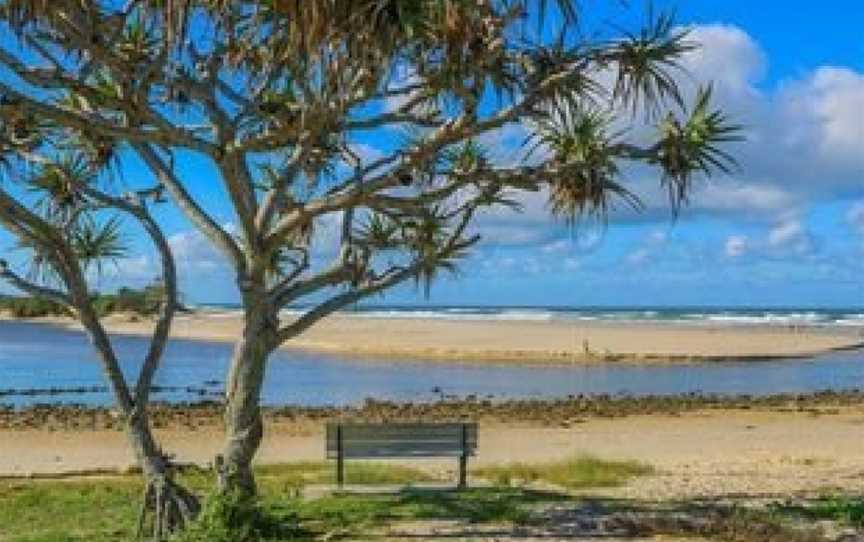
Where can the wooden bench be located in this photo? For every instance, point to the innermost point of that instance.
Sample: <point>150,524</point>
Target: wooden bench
<point>401,440</point>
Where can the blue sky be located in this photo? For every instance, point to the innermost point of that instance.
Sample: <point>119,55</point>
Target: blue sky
<point>785,230</point>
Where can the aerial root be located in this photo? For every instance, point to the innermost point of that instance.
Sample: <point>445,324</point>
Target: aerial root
<point>165,509</point>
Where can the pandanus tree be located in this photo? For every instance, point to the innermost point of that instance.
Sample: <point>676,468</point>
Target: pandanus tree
<point>283,99</point>
<point>68,225</point>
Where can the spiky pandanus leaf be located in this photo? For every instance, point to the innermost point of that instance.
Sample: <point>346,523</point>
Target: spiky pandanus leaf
<point>22,12</point>
<point>96,243</point>
<point>468,157</point>
<point>57,186</point>
<point>428,237</point>
<point>379,233</point>
<point>694,146</point>
<point>647,63</point>
<point>581,145</point>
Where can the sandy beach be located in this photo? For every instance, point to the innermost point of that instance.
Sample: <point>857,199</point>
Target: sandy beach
<point>697,454</point>
<point>522,341</point>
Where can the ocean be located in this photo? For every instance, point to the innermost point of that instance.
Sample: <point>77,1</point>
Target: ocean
<point>786,316</point>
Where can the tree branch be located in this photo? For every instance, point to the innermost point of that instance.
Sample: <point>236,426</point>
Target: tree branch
<point>220,238</point>
<point>340,301</point>
<point>31,288</point>
<point>96,124</point>
<point>162,328</point>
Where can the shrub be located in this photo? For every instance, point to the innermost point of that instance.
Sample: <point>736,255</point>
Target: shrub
<point>574,473</point>
<point>235,517</point>
<point>144,302</point>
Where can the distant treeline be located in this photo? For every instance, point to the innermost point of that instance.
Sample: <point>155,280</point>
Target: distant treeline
<point>144,302</point>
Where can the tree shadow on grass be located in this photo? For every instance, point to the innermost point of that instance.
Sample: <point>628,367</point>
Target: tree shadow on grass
<point>367,513</point>
<point>505,513</point>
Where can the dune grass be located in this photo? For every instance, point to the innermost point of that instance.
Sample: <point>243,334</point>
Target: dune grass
<point>575,473</point>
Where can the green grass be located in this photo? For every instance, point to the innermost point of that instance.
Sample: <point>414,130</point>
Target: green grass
<point>846,510</point>
<point>297,475</point>
<point>575,473</point>
<point>105,509</point>
<point>68,511</point>
<point>55,511</point>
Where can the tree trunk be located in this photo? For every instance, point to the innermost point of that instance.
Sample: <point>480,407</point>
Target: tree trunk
<point>170,507</point>
<point>244,428</point>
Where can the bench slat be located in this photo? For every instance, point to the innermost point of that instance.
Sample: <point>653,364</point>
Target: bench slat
<point>402,440</point>
<point>407,430</point>
<point>399,451</point>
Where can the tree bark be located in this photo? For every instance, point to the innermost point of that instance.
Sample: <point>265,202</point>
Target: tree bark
<point>170,506</point>
<point>244,428</point>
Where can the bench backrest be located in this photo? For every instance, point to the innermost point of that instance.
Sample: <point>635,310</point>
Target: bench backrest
<point>401,440</point>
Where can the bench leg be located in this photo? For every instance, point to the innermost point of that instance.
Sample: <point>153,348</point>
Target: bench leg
<point>340,459</point>
<point>463,472</point>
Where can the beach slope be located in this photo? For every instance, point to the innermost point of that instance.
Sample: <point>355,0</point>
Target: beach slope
<point>528,341</point>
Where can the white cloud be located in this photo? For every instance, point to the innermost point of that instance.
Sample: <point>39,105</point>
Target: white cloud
<point>728,56</point>
<point>131,270</point>
<point>730,197</point>
<point>366,153</point>
<point>402,79</point>
<point>735,246</point>
<point>826,114</point>
<point>506,145</point>
<point>579,242</point>
<point>558,247</point>
<point>652,244</point>
<point>638,256</point>
<point>803,139</point>
<point>786,239</point>
<point>787,233</point>
<point>195,253</point>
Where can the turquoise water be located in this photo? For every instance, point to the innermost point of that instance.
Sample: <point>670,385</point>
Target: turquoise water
<point>42,357</point>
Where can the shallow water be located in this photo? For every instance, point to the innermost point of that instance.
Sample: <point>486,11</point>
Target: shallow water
<point>36,356</point>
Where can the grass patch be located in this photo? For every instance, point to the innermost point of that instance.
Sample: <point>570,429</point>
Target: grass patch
<point>359,514</point>
<point>846,510</point>
<point>293,476</point>
<point>105,510</point>
<point>69,511</point>
<point>575,473</point>
<point>850,511</point>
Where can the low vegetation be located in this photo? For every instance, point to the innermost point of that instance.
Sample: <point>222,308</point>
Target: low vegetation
<point>31,307</point>
<point>843,509</point>
<point>850,511</point>
<point>143,302</point>
<point>575,473</point>
<point>106,509</point>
